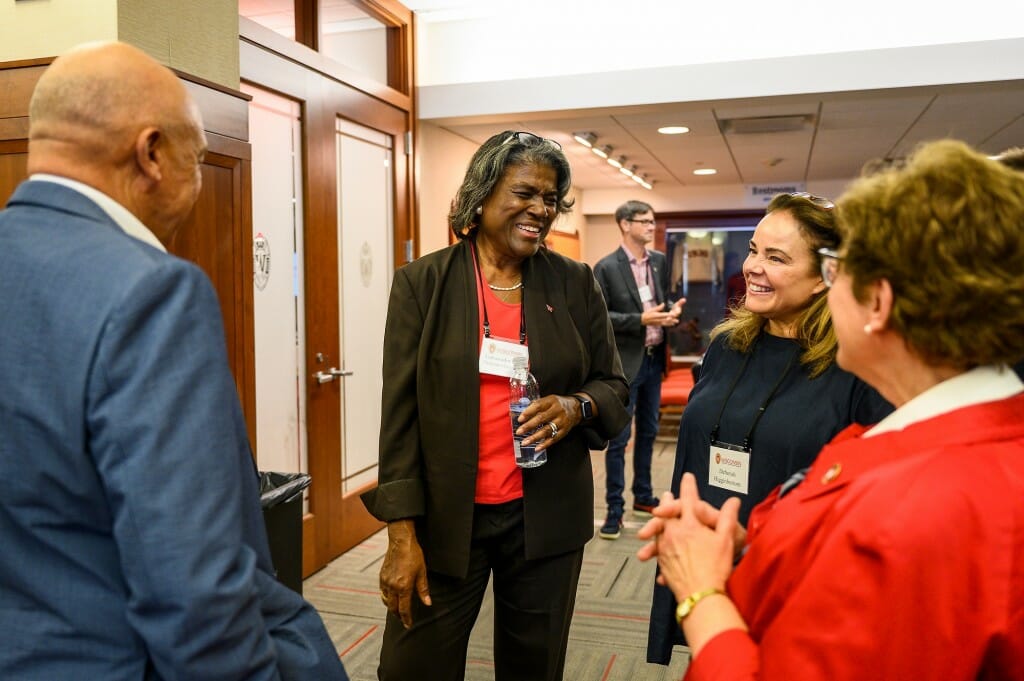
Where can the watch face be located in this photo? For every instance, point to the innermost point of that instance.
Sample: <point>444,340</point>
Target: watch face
<point>585,407</point>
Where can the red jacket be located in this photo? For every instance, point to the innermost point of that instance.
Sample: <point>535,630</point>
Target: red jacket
<point>906,561</point>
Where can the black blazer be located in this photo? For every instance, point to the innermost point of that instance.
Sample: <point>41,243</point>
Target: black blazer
<point>624,306</point>
<point>431,411</point>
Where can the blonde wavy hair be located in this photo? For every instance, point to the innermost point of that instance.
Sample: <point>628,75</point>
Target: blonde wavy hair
<point>816,219</point>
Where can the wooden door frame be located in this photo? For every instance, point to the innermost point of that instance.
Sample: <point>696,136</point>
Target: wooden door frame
<point>326,91</point>
<point>225,121</point>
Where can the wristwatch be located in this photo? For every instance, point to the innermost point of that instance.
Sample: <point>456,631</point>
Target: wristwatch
<point>688,604</point>
<point>585,407</point>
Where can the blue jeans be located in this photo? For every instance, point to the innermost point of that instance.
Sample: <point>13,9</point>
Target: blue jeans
<point>644,402</point>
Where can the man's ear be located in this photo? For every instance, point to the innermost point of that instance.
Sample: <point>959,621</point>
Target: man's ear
<point>879,304</point>
<point>148,151</point>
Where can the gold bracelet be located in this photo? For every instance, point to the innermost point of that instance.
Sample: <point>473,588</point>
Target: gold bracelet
<point>688,604</point>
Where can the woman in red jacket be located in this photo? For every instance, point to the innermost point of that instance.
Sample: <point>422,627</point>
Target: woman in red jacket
<point>900,555</point>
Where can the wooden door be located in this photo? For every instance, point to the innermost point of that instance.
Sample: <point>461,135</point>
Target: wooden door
<point>336,519</point>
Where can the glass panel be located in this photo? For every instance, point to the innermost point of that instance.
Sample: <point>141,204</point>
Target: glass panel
<point>277,15</point>
<point>275,132</point>
<point>352,37</point>
<point>365,228</point>
<point>706,267</point>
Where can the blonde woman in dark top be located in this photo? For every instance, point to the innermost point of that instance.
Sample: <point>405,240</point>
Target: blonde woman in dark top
<point>770,394</point>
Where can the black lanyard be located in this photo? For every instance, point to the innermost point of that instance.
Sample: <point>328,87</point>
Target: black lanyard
<point>764,406</point>
<point>483,301</point>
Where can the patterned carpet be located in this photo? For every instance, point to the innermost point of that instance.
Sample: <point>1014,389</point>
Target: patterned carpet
<point>609,633</point>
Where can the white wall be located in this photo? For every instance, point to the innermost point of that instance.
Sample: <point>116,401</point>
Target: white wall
<point>544,38</point>
<point>46,29</point>
<point>602,53</point>
<point>443,159</point>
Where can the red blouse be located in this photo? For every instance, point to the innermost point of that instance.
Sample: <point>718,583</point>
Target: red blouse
<point>498,479</point>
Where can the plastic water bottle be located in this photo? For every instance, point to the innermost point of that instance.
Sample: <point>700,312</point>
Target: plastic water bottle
<point>523,389</point>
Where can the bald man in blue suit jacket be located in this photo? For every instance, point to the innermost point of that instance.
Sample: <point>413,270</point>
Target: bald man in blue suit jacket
<point>132,538</point>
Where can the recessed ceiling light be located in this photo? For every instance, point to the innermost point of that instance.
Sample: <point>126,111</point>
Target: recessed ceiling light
<point>673,130</point>
<point>704,171</point>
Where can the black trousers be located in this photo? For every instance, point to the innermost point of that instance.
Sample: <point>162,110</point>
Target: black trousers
<point>533,604</point>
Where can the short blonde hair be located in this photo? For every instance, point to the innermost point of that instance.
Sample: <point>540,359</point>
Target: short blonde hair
<point>947,232</point>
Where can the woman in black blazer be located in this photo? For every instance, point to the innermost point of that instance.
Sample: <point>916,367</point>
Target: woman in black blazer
<point>458,509</point>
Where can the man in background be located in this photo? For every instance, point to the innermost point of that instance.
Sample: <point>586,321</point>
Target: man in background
<point>133,541</point>
<point>635,282</point>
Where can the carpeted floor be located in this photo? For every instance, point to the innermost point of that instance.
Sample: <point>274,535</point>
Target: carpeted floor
<point>609,632</point>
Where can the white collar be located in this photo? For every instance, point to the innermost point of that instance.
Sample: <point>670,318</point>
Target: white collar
<point>124,219</point>
<point>981,384</point>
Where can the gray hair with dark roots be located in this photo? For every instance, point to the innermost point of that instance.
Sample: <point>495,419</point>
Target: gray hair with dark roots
<point>488,166</point>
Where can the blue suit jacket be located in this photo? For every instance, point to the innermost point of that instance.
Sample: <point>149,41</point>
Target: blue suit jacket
<point>132,538</point>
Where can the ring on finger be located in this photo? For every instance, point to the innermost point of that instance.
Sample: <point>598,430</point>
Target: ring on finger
<point>554,429</point>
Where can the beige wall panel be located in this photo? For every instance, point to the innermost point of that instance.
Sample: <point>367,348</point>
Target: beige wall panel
<point>197,37</point>
<point>603,237</point>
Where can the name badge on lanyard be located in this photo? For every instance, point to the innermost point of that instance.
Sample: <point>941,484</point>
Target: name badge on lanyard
<point>729,467</point>
<point>497,355</point>
<point>646,295</point>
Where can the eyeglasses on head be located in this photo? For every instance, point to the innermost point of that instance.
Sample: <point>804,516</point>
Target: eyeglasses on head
<point>529,139</point>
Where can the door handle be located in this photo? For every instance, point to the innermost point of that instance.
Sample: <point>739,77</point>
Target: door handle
<point>330,375</point>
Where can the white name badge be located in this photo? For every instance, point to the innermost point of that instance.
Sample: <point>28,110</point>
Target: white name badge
<point>645,294</point>
<point>496,356</point>
<point>729,468</point>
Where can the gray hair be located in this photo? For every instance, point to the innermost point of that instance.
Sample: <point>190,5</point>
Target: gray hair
<point>488,166</point>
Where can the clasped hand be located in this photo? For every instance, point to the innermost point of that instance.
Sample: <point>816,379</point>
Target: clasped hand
<point>694,542</point>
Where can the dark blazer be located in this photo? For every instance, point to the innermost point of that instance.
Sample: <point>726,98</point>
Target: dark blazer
<point>133,542</point>
<point>624,306</point>
<point>431,412</point>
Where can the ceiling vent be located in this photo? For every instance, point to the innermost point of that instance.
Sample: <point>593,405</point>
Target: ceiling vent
<point>760,125</point>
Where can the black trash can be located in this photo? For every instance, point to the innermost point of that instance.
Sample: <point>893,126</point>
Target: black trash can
<point>281,499</point>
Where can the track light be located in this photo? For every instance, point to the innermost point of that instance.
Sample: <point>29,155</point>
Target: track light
<point>587,139</point>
